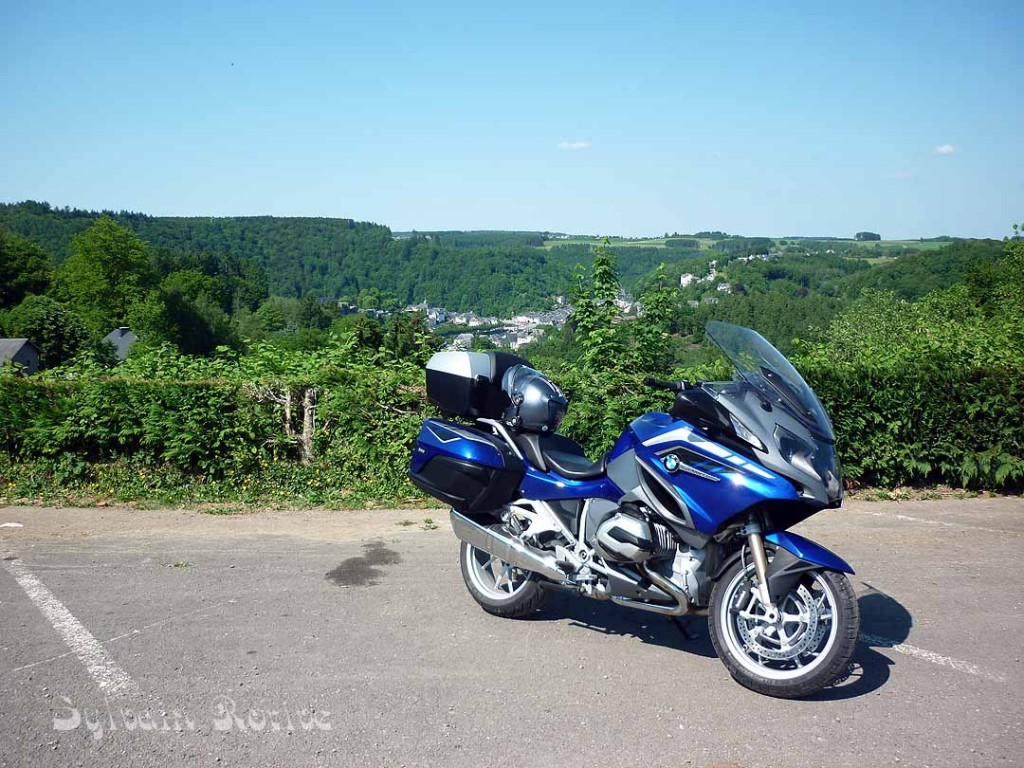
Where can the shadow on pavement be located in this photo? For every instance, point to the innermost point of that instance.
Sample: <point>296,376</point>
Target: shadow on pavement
<point>881,617</point>
<point>689,635</point>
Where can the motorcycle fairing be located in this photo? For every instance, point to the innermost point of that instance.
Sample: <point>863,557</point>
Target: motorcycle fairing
<point>701,470</point>
<point>809,551</point>
<point>550,486</point>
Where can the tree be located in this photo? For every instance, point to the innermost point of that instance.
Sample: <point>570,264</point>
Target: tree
<point>24,268</point>
<point>867,236</point>
<point>1009,290</point>
<point>369,333</point>
<point>195,325</point>
<point>650,349</point>
<point>108,270</point>
<point>150,319</point>
<point>368,298</point>
<point>247,328</point>
<point>594,311</point>
<point>204,327</point>
<point>251,287</point>
<point>59,332</point>
<point>408,338</point>
<point>312,314</point>
<point>270,316</point>
<point>482,344</point>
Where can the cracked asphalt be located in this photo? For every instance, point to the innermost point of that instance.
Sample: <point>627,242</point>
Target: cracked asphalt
<point>170,638</point>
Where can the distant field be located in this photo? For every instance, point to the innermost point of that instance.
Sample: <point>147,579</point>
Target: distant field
<point>706,244</point>
<point>884,245</point>
<point>915,244</point>
<point>889,247</point>
<point>613,242</point>
<point>619,242</point>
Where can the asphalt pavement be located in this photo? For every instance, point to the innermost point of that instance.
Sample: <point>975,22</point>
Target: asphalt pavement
<point>172,638</point>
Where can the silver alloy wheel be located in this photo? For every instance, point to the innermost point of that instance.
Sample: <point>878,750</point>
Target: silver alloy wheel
<point>791,647</point>
<point>494,578</point>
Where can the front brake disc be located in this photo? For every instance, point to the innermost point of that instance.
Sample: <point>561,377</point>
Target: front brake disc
<point>811,634</point>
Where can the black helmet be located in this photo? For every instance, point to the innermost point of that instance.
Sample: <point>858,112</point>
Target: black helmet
<point>537,404</point>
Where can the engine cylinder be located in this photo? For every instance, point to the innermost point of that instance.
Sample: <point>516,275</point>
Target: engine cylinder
<point>626,537</point>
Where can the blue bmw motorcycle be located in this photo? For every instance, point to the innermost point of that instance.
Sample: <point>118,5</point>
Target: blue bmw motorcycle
<point>688,513</point>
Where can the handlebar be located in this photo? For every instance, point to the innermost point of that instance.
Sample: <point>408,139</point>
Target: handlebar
<point>669,386</point>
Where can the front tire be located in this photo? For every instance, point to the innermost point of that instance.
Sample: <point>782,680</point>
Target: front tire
<point>807,649</point>
<point>500,589</point>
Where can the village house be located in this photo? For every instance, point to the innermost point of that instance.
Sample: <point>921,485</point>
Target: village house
<point>121,339</point>
<point>20,352</point>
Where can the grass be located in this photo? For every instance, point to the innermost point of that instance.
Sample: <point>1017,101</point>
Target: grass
<point>917,245</point>
<point>916,493</point>
<point>888,250</point>
<point>706,243</point>
<point>223,509</point>
<point>620,242</point>
<point>127,483</point>
<point>614,243</point>
<point>875,260</point>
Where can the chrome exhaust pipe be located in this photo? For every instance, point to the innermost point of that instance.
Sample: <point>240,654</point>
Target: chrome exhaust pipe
<point>522,556</point>
<point>505,548</point>
<point>681,607</point>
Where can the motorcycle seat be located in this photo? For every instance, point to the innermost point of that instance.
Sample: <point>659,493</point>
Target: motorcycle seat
<point>557,453</point>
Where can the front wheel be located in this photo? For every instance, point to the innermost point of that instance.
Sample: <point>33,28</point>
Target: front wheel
<point>804,650</point>
<point>499,587</point>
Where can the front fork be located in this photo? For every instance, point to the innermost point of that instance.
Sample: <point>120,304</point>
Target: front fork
<point>755,541</point>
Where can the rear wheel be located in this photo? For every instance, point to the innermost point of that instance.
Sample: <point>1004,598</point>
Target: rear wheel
<point>500,588</point>
<point>805,649</point>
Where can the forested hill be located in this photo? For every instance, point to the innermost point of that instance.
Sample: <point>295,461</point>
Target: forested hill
<point>500,273</point>
<point>914,275</point>
<point>493,273</point>
<point>327,257</point>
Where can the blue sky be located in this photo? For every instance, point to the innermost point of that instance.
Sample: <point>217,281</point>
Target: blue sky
<point>603,118</point>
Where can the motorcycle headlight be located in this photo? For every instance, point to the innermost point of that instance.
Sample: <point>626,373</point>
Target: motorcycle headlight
<point>745,434</point>
<point>796,450</point>
<point>816,459</point>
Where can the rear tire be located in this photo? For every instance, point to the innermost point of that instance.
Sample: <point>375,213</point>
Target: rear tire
<point>738,635</point>
<point>499,588</point>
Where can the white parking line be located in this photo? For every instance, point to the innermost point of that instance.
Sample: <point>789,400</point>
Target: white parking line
<point>934,658</point>
<point>945,523</point>
<point>108,674</point>
<point>133,633</point>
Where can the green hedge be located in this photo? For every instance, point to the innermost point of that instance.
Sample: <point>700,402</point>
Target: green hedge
<point>212,439</point>
<point>954,424</point>
<point>961,425</point>
<point>217,438</point>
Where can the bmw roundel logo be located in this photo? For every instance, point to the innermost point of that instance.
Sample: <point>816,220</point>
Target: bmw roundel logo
<point>671,462</point>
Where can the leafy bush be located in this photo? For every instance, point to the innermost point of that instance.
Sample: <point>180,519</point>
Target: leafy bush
<point>926,392</point>
<point>931,391</point>
<point>58,331</point>
<point>177,427</point>
<point>216,439</point>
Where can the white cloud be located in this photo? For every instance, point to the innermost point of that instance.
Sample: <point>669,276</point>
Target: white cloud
<point>575,146</point>
<point>945,149</point>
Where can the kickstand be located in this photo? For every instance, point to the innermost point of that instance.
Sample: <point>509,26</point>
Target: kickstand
<point>683,625</point>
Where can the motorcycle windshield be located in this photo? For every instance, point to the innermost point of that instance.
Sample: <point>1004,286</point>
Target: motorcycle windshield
<point>767,370</point>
